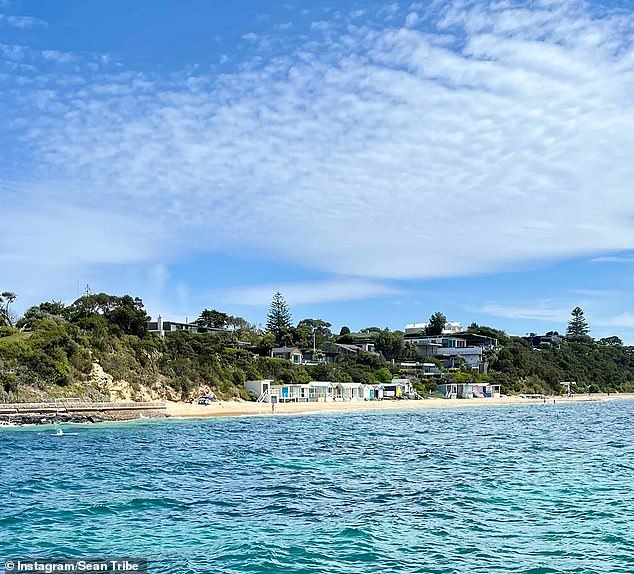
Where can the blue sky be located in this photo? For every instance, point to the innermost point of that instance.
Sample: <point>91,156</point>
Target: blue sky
<point>375,162</point>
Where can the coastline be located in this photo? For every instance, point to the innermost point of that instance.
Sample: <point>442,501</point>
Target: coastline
<point>244,408</point>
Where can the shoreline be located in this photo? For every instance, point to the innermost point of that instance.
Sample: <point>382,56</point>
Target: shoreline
<point>245,408</point>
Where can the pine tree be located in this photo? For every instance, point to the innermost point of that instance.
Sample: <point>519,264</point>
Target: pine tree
<point>278,321</point>
<point>577,326</point>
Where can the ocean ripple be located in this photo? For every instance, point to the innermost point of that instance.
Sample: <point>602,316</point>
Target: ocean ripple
<point>539,489</point>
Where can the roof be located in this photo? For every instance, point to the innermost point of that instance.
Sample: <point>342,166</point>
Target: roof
<point>285,349</point>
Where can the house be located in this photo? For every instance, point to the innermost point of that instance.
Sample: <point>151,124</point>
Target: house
<point>160,327</point>
<point>293,354</point>
<point>334,351</point>
<point>448,349</point>
<point>452,349</point>
<point>455,390</point>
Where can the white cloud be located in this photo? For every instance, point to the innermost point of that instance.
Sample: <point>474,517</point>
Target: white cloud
<point>613,259</point>
<point>411,19</point>
<point>58,57</point>
<point>25,22</point>
<point>493,137</point>
<point>536,313</point>
<point>309,292</point>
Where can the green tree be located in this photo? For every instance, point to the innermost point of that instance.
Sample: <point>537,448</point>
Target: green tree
<point>303,333</point>
<point>577,326</point>
<point>390,344</point>
<point>129,315</point>
<point>344,331</point>
<point>611,341</point>
<point>436,324</point>
<point>42,311</point>
<point>215,319</point>
<point>383,375</point>
<point>278,320</point>
<point>6,317</point>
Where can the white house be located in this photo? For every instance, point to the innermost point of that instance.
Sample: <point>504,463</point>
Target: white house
<point>160,327</point>
<point>419,328</point>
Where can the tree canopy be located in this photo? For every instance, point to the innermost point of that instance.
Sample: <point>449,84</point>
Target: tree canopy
<point>278,321</point>
<point>303,333</point>
<point>577,326</point>
<point>436,324</point>
<point>213,318</point>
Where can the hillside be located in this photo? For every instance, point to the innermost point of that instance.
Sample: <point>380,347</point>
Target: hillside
<point>99,348</point>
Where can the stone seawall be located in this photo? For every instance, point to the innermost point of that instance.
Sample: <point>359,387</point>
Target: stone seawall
<point>78,412</point>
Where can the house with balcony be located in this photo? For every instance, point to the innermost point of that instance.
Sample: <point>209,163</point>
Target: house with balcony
<point>160,327</point>
<point>452,349</point>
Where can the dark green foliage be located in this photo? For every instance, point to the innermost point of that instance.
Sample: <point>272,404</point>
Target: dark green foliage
<point>391,345</point>
<point>125,312</point>
<point>344,331</point>
<point>278,321</point>
<point>577,326</point>
<point>520,368</point>
<point>213,318</point>
<point>303,333</point>
<point>611,342</point>
<point>436,324</point>
<point>501,336</point>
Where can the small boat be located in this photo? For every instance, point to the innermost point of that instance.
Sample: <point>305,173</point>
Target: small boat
<point>59,432</point>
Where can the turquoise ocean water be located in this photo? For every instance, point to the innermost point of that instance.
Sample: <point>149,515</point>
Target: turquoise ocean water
<point>531,489</point>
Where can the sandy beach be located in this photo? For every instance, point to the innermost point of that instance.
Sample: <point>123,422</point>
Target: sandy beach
<point>241,408</point>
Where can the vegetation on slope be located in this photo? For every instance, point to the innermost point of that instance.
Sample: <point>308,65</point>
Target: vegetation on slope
<point>52,349</point>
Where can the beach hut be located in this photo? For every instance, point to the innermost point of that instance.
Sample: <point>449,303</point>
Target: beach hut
<point>292,392</point>
<point>369,392</point>
<point>348,391</point>
<point>260,389</point>
<point>322,391</point>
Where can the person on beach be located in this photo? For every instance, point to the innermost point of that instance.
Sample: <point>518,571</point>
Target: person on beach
<point>272,407</point>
